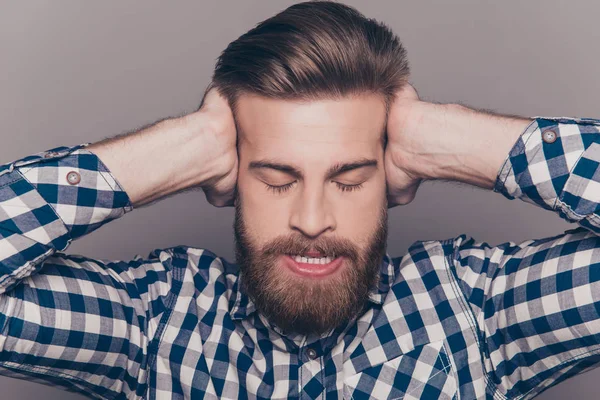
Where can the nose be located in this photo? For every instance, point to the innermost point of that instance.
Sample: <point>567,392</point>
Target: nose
<point>312,213</point>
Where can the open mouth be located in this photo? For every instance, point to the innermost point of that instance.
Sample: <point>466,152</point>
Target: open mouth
<point>313,260</point>
<point>313,266</point>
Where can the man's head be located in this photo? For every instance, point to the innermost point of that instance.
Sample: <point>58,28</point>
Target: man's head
<point>310,90</point>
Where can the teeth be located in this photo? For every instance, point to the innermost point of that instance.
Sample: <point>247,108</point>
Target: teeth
<point>311,260</point>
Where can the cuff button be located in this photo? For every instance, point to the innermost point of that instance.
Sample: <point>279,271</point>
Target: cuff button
<point>549,136</point>
<point>73,178</point>
<point>311,353</point>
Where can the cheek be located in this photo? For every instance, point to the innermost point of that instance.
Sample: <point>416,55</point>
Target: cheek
<point>357,224</point>
<point>357,219</point>
<point>264,216</point>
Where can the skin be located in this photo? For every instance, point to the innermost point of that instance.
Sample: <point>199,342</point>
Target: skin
<point>311,137</point>
<point>429,141</point>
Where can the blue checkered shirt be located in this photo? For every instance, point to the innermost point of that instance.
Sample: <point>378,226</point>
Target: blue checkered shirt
<point>452,319</point>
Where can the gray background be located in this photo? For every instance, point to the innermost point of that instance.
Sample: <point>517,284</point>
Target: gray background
<point>73,72</point>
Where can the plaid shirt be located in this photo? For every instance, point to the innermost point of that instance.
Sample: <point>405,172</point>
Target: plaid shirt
<point>453,319</point>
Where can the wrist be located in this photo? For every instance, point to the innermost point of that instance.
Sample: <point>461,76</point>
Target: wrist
<point>203,149</point>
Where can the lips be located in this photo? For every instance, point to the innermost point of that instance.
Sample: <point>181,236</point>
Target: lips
<point>312,270</point>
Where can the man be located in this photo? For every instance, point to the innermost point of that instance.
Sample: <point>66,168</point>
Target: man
<point>312,132</point>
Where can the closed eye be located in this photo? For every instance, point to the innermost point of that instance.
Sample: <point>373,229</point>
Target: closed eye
<point>286,187</point>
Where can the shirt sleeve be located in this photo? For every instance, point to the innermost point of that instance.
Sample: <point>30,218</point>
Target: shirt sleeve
<point>67,320</point>
<point>49,199</point>
<point>554,165</point>
<point>536,304</point>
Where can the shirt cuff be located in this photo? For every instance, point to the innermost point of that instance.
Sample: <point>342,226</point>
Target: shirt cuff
<point>77,186</point>
<point>544,161</point>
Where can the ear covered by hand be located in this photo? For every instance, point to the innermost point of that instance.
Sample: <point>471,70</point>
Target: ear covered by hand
<point>220,135</point>
<point>400,153</point>
<point>401,177</point>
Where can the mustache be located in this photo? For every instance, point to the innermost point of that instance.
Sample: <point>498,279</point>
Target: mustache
<point>294,244</point>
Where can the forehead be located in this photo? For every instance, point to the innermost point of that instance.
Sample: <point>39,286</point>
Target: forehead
<point>274,125</point>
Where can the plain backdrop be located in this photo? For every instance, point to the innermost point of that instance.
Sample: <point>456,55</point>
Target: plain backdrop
<point>74,72</point>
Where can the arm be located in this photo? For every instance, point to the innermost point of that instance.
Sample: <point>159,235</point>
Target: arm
<point>536,304</point>
<point>80,323</point>
<point>197,150</point>
<point>429,141</point>
<point>52,198</point>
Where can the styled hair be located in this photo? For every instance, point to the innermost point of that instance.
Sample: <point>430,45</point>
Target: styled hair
<point>310,51</point>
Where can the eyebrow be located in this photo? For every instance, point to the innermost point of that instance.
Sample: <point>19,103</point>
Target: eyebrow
<point>332,172</point>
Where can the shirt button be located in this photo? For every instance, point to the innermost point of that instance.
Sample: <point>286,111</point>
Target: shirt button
<point>549,136</point>
<point>73,178</point>
<point>311,353</point>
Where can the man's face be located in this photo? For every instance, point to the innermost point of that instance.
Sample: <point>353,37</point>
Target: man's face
<point>294,200</point>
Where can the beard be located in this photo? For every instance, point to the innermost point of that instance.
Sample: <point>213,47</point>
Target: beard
<point>304,305</point>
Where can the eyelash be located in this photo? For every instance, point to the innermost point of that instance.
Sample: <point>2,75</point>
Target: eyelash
<point>285,188</point>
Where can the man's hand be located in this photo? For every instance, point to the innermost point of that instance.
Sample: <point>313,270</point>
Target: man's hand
<point>221,140</point>
<point>402,182</point>
<point>429,141</point>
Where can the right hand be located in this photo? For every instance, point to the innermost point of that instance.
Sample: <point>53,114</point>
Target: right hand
<point>221,141</point>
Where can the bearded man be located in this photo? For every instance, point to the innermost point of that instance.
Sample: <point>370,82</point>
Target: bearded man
<point>310,129</point>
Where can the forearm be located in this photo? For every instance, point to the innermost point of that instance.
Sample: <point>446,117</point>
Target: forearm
<point>461,144</point>
<point>551,162</point>
<point>163,159</point>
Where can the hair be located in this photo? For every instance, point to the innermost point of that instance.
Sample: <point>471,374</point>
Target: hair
<point>310,51</point>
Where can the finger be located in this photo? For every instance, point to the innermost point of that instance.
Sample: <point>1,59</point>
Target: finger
<point>402,198</point>
<point>218,201</point>
<point>212,97</point>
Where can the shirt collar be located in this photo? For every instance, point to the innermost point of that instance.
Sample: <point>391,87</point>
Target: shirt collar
<point>241,306</point>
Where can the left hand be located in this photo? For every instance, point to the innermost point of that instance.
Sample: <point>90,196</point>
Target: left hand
<point>402,179</point>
